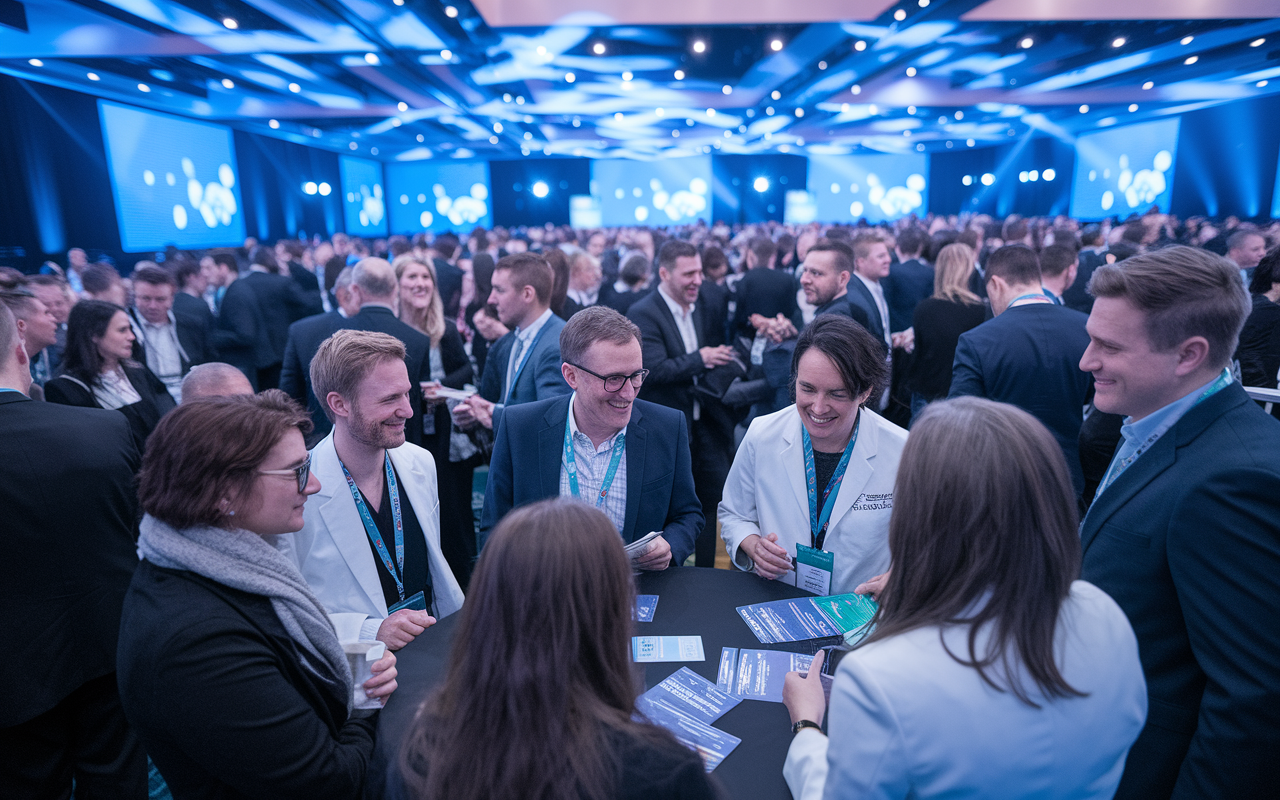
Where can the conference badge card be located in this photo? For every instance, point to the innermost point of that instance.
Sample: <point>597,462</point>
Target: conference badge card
<point>667,648</point>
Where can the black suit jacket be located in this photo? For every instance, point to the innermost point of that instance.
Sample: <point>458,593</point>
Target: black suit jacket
<point>193,311</point>
<point>193,338</point>
<point>671,369</point>
<point>764,291</point>
<point>859,296</point>
<point>908,283</point>
<point>255,316</point>
<point>713,300</point>
<point>304,278</point>
<point>240,336</point>
<point>69,521</point>
<point>1029,356</point>
<point>529,447</point>
<point>222,700</point>
<point>305,338</point>
<point>1077,294</point>
<point>143,416</point>
<point>1187,542</point>
<point>449,279</point>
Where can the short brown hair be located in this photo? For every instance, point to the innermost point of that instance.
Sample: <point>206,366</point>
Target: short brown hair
<point>1015,264</point>
<point>209,450</point>
<point>98,278</point>
<point>154,275</point>
<point>346,358</point>
<point>857,355</point>
<point>591,325</point>
<point>1183,292</point>
<point>1056,259</point>
<point>530,269</point>
<point>862,244</point>
<point>843,253</point>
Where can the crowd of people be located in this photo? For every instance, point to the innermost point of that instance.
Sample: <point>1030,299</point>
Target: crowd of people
<point>1027,439</point>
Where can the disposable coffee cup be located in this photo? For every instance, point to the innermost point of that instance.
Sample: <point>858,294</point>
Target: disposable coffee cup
<point>360,657</point>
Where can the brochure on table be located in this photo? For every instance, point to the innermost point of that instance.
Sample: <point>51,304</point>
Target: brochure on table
<point>667,648</point>
<point>760,674</point>
<point>801,618</point>
<point>685,704</point>
<point>646,605</point>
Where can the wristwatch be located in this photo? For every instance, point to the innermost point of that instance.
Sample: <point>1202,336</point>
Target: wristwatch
<point>805,723</point>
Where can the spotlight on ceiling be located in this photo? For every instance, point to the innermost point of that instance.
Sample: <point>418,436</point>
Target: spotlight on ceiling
<point>1191,60</point>
<point>450,12</point>
<point>626,76</point>
<point>924,3</point>
<point>310,187</point>
<point>324,189</point>
<point>540,189</point>
<point>967,180</point>
<point>1133,107</point>
<point>726,89</point>
<point>988,179</point>
<point>900,15</point>
<point>1048,174</point>
<point>93,76</point>
<point>911,72</point>
<point>761,184</point>
<point>1257,42</point>
<point>1188,39</point>
<point>142,87</point>
<point>1033,176</point>
<point>402,105</point>
<point>230,24</point>
<point>776,95</point>
<point>447,55</point>
<point>371,58</point>
<point>1260,84</point>
<point>1118,41</point>
<point>1148,85</point>
<point>598,48</point>
<point>227,83</point>
<point>273,124</point>
<point>497,127</point>
<point>859,45</point>
<point>775,45</point>
<point>1026,43</point>
<point>679,75</point>
<point>1084,109</point>
<point>970,142</point>
<point>699,46</point>
<point>569,77</point>
<point>35,62</point>
<point>295,88</point>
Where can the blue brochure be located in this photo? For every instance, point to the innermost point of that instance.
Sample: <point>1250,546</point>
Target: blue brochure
<point>792,620</point>
<point>667,648</point>
<point>761,673</point>
<point>646,604</point>
<point>688,693</point>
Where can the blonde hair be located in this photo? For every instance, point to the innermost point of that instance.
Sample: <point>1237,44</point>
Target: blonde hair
<point>429,320</point>
<point>346,358</point>
<point>951,274</point>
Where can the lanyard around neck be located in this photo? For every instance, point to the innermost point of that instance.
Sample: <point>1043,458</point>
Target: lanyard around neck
<point>396,568</point>
<point>1039,297</point>
<point>818,522</point>
<point>571,466</point>
<point>524,358</point>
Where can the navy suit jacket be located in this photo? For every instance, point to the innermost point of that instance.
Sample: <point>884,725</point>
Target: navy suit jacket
<point>1187,542</point>
<point>860,296</point>
<point>908,283</point>
<point>540,377</point>
<point>528,450</point>
<point>1029,356</point>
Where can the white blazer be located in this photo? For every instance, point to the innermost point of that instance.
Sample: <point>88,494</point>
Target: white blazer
<point>908,720</point>
<point>766,492</point>
<point>332,549</point>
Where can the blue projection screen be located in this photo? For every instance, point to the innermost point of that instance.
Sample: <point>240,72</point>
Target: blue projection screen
<point>1120,171</point>
<point>877,188</point>
<point>439,197</point>
<point>675,191</point>
<point>364,204</point>
<point>174,180</point>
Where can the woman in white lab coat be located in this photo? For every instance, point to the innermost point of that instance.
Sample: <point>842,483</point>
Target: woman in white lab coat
<point>991,672</point>
<point>819,473</point>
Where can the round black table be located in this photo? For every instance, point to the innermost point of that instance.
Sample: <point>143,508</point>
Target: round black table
<point>691,602</point>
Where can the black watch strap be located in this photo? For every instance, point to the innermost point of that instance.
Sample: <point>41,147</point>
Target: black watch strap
<point>805,723</point>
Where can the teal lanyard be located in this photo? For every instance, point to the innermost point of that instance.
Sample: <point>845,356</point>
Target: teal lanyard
<point>524,358</point>
<point>571,466</point>
<point>1043,298</point>
<point>396,568</point>
<point>818,524</point>
<point>1120,465</point>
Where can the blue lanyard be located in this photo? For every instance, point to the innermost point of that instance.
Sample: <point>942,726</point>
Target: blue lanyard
<point>818,524</point>
<point>571,466</point>
<point>524,358</point>
<point>1120,465</point>
<point>371,528</point>
<point>1043,298</point>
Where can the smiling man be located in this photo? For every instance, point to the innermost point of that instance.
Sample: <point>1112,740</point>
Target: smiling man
<point>1185,531</point>
<point>600,444</point>
<point>370,545</point>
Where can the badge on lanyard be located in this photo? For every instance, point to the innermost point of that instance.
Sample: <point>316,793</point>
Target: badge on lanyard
<point>814,568</point>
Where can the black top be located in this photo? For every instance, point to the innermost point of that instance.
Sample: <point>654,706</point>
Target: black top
<point>825,465</point>
<point>1259,350</point>
<point>144,415</point>
<point>764,291</point>
<point>938,324</point>
<point>416,569</point>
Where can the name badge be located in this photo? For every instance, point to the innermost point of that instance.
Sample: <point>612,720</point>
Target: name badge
<point>417,602</point>
<point>814,568</point>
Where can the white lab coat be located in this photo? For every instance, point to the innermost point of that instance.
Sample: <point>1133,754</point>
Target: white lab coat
<point>908,720</point>
<point>766,492</point>
<point>332,549</point>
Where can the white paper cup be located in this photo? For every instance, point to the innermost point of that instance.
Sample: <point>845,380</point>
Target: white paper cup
<point>360,657</point>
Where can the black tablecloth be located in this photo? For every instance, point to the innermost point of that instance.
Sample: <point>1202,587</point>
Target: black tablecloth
<point>691,601</point>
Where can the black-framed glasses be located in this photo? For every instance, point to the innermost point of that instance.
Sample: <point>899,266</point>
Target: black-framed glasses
<point>302,472</point>
<point>613,383</point>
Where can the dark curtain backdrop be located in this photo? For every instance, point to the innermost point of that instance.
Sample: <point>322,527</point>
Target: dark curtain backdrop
<point>511,187</point>
<point>272,173</point>
<point>734,198</point>
<point>1008,195</point>
<point>1226,161</point>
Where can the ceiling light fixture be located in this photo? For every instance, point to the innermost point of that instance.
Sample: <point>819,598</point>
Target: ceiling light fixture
<point>35,62</point>
<point>447,55</point>
<point>822,65</point>
<point>776,95</point>
<point>799,112</point>
<point>775,45</point>
<point>324,189</point>
<point>856,89</point>
<point>911,72</point>
<point>1260,84</point>
<point>1084,109</point>
<point>403,106</point>
<point>761,184</point>
<point>1026,43</point>
<point>1188,39</point>
<point>1048,174</point>
<point>1257,42</point>
<point>988,179</point>
<point>273,124</point>
<point>859,45</point>
<point>970,142</point>
<point>540,189</point>
<point>1133,107</point>
<point>711,112</point>
<point>371,58</point>
<point>626,76</point>
<point>911,110</point>
<point>230,24</point>
<point>598,48</point>
<point>497,127</point>
<point>450,12</point>
<point>93,76</point>
<point>310,187</point>
<point>295,88</point>
<point>227,83</point>
<point>569,77</point>
<point>142,87</point>
<point>1118,41</point>
<point>679,75</point>
<point>421,138</point>
<point>900,15</point>
<point>1191,60</point>
<point>959,115</point>
<point>699,46</point>
<point>726,89</point>
<point>924,3</point>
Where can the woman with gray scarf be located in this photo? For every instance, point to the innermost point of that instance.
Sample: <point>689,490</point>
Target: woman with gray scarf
<point>228,665</point>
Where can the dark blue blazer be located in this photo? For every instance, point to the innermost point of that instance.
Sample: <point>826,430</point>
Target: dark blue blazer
<point>1187,542</point>
<point>529,447</point>
<point>1029,356</point>
<point>908,283</point>
<point>539,379</point>
<point>859,296</point>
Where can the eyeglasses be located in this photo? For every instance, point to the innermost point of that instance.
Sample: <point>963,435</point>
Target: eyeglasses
<point>302,472</point>
<point>613,383</point>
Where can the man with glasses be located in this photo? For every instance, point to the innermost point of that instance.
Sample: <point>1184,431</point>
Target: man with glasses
<point>626,457</point>
<point>370,543</point>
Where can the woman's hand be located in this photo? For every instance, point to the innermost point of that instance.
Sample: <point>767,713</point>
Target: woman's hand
<point>874,586</point>
<point>771,560</point>
<point>383,682</point>
<point>803,695</point>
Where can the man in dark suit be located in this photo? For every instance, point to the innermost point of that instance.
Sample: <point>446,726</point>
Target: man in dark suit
<point>871,264</point>
<point>1029,354</point>
<point>824,278</point>
<point>763,293</point>
<point>373,286</point>
<point>1091,256</point>
<point>678,350</point>
<point>1185,531</point>
<point>188,302</point>
<point>909,281</point>
<point>523,365</point>
<point>448,276</point>
<point>63,578</point>
<point>168,344</point>
<point>630,458</point>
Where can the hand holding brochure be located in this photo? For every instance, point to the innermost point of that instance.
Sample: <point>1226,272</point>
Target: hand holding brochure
<point>802,618</point>
<point>641,546</point>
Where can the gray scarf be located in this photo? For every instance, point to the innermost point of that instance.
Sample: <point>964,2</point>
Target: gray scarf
<point>244,561</point>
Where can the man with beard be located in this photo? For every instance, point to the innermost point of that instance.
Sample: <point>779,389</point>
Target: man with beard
<point>370,543</point>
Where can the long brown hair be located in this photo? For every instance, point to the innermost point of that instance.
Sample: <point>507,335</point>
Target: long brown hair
<point>540,671</point>
<point>984,531</point>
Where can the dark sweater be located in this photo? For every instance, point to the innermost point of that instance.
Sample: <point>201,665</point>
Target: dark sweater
<point>938,325</point>
<point>220,696</point>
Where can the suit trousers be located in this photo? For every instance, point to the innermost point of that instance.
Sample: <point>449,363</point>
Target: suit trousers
<point>712,455</point>
<point>84,738</point>
<point>457,519</point>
